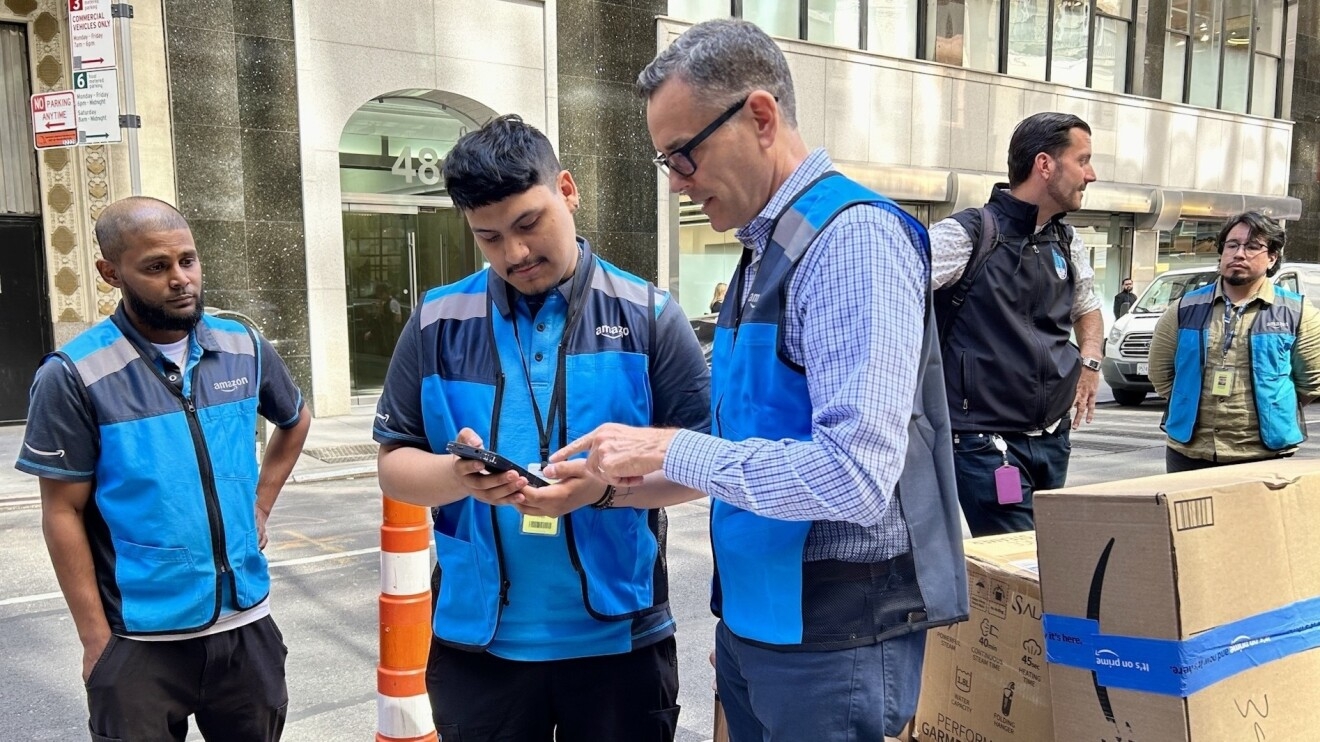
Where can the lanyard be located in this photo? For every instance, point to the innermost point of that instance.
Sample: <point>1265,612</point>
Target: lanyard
<point>559,391</point>
<point>1232,319</point>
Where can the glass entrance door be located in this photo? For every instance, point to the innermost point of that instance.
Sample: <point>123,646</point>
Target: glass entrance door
<point>392,256</point>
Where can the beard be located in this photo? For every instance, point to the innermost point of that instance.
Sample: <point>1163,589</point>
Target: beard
<point>1240,279</point>
<point>159,317</point>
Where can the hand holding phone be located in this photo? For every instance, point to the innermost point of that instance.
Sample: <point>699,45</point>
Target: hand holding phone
<point>494,462</point>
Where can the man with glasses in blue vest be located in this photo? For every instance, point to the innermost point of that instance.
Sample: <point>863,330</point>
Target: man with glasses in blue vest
<point>834,518</point>
<point>1237,359</point>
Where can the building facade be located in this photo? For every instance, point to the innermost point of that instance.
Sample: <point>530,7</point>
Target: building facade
<point>303,140</point>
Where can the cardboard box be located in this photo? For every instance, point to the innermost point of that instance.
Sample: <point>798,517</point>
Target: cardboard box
<point>1183,560</point>
<point>985,679</point>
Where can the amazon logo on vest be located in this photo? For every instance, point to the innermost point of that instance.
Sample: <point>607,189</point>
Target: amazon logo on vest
<point>613,332</point>
<point>231,385</point>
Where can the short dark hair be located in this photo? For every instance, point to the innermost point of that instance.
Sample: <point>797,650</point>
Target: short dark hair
<point>132,216</point>
<point>1047,132</point>
<point>1258,225</point>
<point>503,158</point>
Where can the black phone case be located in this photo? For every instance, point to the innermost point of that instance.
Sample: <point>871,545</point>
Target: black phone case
<point>493,461</point>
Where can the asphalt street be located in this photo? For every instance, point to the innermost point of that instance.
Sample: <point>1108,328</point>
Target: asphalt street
<point>324,554</point>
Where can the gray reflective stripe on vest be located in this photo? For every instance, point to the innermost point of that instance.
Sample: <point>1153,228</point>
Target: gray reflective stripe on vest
<point>237,343</point>
<point>453,306</point>
<point>617,287</point>
<point>106,361</point>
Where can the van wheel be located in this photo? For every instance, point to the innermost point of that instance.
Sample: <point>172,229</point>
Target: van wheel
<point>1129,397</point>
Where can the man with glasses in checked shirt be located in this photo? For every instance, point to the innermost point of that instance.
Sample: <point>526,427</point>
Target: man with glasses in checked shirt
<point>1237,359</point>
<point>834,514</point>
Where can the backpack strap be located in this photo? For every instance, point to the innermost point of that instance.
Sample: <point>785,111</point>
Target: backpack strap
<point>984,232</point>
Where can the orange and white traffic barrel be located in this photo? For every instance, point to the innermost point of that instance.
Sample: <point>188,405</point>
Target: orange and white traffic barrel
<point>403,710</point>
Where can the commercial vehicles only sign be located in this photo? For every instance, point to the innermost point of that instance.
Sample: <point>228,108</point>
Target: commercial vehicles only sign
<point>91,34</point>
<point>54,119</point>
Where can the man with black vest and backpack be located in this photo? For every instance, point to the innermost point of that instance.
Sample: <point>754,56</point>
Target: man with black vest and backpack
<point>1012,281</point>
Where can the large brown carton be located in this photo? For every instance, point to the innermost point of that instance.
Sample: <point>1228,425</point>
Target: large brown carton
<point>985,679</point>
<point>1184,606</point>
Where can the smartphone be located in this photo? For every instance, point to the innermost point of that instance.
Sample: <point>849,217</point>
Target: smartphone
<point>493,461</point>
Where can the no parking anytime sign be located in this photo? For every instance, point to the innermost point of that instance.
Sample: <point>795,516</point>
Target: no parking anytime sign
<point>54,119</point>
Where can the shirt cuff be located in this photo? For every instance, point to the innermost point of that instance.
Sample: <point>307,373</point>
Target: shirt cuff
<point>692,459</point>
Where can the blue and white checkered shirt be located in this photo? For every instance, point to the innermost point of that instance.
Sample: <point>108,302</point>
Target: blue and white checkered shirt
<point>855,323</point>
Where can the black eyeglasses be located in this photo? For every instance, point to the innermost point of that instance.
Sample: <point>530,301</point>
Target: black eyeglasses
<point>1252,249</point>
<point>680,160</point>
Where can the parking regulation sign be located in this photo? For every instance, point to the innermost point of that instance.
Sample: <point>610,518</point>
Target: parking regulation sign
<point>54,120</point>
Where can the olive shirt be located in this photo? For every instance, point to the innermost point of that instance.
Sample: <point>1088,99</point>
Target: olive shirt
<point>1226,427</point>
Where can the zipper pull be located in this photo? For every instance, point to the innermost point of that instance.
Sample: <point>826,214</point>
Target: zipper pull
<point>1035,249</point>
<point>189,404</point>
<point>964,404</point>
<point>504,592</point>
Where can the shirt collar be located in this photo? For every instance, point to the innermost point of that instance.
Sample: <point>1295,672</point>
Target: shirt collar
<point>500,290</point>
<point>756,234</point>
<point>1265,294</point>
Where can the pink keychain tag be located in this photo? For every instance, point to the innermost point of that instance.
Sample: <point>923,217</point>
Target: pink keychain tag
<point>1008,484</point>
<point>1008,479</point>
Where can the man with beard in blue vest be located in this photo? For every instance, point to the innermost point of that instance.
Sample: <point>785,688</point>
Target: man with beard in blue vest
<point>1237,359</point>
<point>834,515</point>
<point>143,432</point>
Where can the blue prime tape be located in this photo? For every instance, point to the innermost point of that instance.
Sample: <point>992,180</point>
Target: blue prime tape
<point>1181,668</point>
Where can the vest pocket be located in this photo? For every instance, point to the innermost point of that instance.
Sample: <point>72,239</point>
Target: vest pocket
<point>162,589</point>
<point>251,575</point>
<point>467,604</point>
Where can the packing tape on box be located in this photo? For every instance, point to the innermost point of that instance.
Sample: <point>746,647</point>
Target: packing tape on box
<point>1181,668</point>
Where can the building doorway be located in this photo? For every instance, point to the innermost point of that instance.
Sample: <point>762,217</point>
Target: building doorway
<point>25,329</point>
<point>402,234</point>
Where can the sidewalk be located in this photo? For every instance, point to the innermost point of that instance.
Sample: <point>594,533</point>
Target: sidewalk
<point>337,448</point>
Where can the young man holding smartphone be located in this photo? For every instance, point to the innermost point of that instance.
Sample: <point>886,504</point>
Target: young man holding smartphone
<point>552,619</point>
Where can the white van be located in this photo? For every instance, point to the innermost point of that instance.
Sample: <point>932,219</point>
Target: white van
<point>1126,351</point>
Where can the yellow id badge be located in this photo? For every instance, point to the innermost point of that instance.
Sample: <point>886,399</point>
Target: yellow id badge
<point>540,525</point>
<point>1223,382</point>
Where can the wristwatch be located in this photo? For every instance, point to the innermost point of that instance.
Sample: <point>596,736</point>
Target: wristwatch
<point>1091,363</point>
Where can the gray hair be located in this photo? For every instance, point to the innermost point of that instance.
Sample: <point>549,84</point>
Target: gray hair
<point>724,60</point>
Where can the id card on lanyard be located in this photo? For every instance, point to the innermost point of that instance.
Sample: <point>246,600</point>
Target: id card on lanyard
<point>1221,381</point>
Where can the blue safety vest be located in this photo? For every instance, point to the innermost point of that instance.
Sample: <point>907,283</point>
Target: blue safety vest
<point>174,521</point>
<point>756,392</point>
<point>1270,342</point>
<point>469,347</point>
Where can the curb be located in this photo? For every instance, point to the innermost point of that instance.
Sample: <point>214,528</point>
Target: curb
<point>328,474</point>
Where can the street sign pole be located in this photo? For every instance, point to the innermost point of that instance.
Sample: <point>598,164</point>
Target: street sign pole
<point>123,12</point>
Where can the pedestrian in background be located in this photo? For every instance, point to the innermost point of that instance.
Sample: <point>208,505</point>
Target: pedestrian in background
<point>1237,359</point>
<point>834,519</point>
<point>1013,282</point>
<point>552,619</point>
<point>1125,299</point>
<point>717,301</point>
<point>142,431</point>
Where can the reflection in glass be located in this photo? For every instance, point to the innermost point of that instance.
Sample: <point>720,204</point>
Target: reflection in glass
<point>890,26</point>
<point>1269,26</point>
<point>1237,55</point>
<point>1027,38</point>
<point>396,144</point>
<point>965,33</point>
<point>1205,54</point>
<point>1072,29</point>
<point>834,22</point>
<point>1175,65</point>
<point>1264,85</point>
<point>1179,14</point>
<point>774,17</point>
<point>1109,71</point>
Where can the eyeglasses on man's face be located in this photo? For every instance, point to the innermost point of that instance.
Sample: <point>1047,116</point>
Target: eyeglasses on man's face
<point>680,160</point>
<point>1251,249</point>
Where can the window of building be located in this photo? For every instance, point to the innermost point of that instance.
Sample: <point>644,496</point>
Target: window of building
<point>964,33</point>
<point>1225,54</point>
<point>891,27</point>
<point>1190,244</point>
